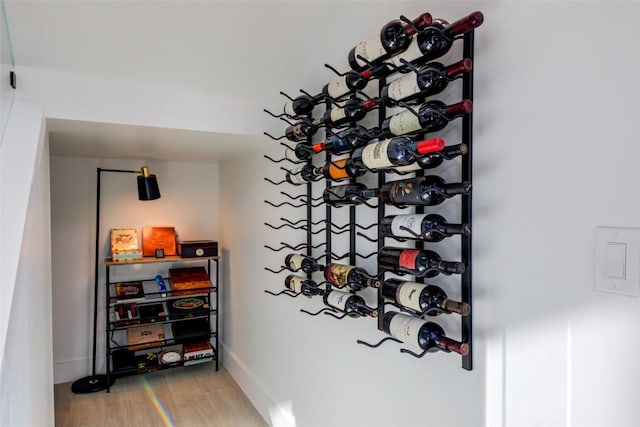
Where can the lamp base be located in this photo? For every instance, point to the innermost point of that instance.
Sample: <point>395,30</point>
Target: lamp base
<point>91,384</point>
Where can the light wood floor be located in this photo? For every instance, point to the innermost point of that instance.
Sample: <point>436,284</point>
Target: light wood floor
<point>192,396</point>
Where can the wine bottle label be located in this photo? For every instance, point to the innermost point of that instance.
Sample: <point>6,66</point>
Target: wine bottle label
<point>403,87</point>
<point>408,258</point>
<point>370,49</point>
<point>374,156</point>
<point>338,299</point>
<point>295,262</point>
<point>406,329</point>
<point>408,168</point>
<point>337,169</point>
<point>337,274</point>
<point>401,223</point>
<point>298,132</point>
<point>408,295</point>
<point>338,87</point>
<point>403,123</point>
<point>290,154</point>
<point>337,114</point>
<point>412,53</point>
<point>295,284</point>
<point>295,177</point>
<point>288,108</point>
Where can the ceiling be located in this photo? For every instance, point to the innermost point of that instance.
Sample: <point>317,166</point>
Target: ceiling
<point>118,141</point>
<point>248,50</point>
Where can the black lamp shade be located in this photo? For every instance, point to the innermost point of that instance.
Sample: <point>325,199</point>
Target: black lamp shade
<point>148,188</point>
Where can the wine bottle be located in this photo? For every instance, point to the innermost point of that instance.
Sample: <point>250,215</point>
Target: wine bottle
<point>393,38</point>
<point>345,302</point>
<point>301,152</point>
<point>427,190</point>
<point>351,111</point>
<point>348,194</point>
<point>302,285</point>
<point>354,278</point>
<point>435,159</point>
<point>429,80</point>
<point>340,169</point>
<point>435,40</point>
<point>297,262</point>
<point>420,334</point>
<point>346,140</point>
<point>300,131</point>
<point>398,151</point>
<point>302,175</point>
<point>335,170</point>
<point>353,81</point>
<point>420,263</point>
<point>301,105</point>
<point>431,116</point>
<point>421,298</point>
<point>428,227</point>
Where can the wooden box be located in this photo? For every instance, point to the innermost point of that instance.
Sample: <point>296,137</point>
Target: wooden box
<point>124,245</point>
<point>189,280</point>
<point>151,335</point>
<point>158,238</point>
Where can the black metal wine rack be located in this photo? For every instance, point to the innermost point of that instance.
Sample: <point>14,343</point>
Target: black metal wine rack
<point>313,215</point>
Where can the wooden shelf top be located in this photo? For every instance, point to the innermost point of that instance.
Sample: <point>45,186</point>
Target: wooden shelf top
<point>149,260</point>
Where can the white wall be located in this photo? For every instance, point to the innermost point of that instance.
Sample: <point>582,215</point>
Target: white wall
<point>189,202</point>
<point>26,372</point>
<point>555,156</point>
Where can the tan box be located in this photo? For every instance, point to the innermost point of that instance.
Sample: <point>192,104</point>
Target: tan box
<point>151,335</point>
<point>124,240</point>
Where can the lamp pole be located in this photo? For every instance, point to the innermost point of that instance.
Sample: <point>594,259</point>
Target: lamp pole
<point>147,190</point>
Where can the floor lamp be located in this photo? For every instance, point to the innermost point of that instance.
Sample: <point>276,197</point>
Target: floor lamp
<point>147,190</point>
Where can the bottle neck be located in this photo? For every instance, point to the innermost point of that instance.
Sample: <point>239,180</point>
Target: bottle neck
<point>460,108</point>
<point>452,306</point>
<point>459,67</point>
<point>430,146</point>
<point>420,22</point>
<point>447,344</point>
<point>465,24</point>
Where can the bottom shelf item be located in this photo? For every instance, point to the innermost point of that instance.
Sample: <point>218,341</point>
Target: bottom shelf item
<point>189,331</point>
<point>198,352</point>
<point>128,362</point>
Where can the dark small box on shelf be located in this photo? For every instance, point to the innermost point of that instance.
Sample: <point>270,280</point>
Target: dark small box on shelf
<point>198,248</point>
<point>155,312</point>
<point>185,308</point>
<point>188,331</point>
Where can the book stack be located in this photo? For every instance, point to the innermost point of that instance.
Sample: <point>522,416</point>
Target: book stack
<point>189,280</point>
<point>124,245</point>
<point>198,352</point>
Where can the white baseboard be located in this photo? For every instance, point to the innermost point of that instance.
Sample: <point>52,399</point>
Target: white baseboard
<point>249,384</point>
<point>70,370</point>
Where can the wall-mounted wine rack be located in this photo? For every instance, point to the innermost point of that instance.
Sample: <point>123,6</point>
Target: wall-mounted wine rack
<point>317,222</point>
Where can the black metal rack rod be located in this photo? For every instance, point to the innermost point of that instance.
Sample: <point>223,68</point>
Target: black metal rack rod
<point>382,112</point>
<point>467,170</point>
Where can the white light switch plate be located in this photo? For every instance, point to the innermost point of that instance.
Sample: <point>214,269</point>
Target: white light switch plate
<point>618,260</point>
